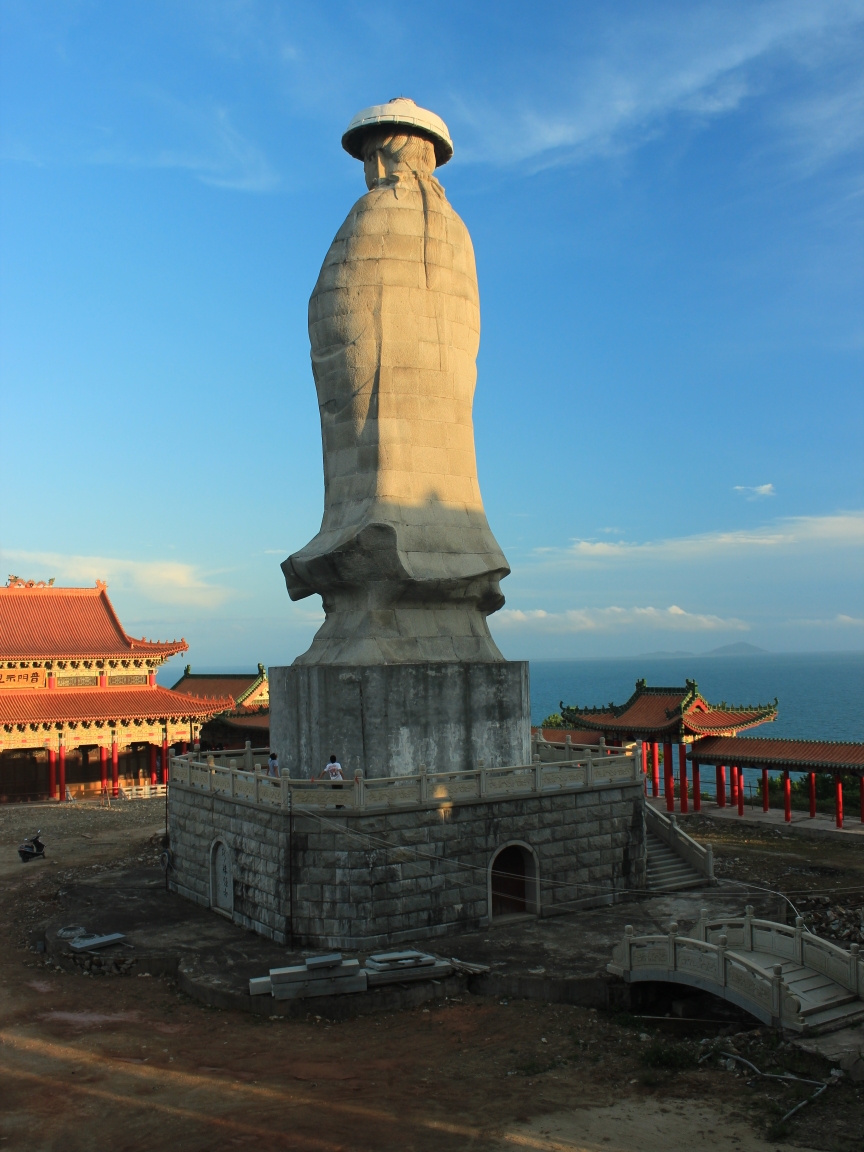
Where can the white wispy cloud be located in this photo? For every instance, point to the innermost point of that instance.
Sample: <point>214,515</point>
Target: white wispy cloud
<point>798,533</point>
<point>757,492</point>
<point>626,80</point>
<point>160,581</point>
<point>841,620</point>
<point>612,619</point>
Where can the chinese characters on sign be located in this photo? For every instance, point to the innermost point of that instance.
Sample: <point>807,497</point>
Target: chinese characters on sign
<point>23,678</point>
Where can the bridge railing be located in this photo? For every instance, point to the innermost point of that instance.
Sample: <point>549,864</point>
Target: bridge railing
<point>793,943</point>
<point>242,778</point>
<point>700,857</point>
<point>701,960</point>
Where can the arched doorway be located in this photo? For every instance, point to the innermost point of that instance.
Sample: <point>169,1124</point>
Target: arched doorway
<point>513,882</point>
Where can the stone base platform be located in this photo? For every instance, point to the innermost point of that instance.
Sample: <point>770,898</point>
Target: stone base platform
<point>388,719</point>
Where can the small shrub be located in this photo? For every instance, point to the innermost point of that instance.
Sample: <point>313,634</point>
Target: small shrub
<point>556,720</point>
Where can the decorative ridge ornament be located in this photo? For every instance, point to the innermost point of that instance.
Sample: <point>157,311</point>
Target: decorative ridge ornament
<point>400,111</point>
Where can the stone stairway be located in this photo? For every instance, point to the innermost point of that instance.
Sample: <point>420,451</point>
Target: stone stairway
<point>667,871</point>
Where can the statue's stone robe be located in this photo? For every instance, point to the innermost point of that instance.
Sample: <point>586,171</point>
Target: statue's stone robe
<point>405,562</point>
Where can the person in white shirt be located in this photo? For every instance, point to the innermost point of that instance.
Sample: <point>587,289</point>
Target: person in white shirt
<point>273,765</point>
<point>332,770</point>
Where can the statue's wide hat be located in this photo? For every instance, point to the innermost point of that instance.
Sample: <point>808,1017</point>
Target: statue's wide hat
<point>400,112</point>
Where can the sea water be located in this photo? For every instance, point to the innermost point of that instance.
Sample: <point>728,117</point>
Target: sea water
<point>820,695</point>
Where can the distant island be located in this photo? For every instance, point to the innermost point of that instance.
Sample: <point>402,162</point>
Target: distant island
<point>739,649</point>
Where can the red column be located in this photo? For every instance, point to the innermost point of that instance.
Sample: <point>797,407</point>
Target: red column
<point>184,748</point>
<point>766,800</point>
<point>682,775</point>
<point>838,799</point>
<point>733,786</point>
<point>115,769</point>
<point>655,768</point>
<point>52,773</point>
<point>61,783</point>
<point>812,795</point>
<point>740,786</point>
<point>103,766</point>
<point>668,778</point>
<point>164,779</point>
<point>152,763</point>
<point>787,797</point>
<point>721,786</point>
<point>697,788</point>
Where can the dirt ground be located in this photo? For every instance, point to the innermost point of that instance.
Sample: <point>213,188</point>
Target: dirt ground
<point>130,1063</point>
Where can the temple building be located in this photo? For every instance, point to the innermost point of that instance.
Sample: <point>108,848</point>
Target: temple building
<point>80,709</point>
<point>249,719</point>
<point>666,716</point>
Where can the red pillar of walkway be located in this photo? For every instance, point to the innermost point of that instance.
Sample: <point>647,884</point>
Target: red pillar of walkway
<point>115,769</point>
<point>164,779</point>
<point>838,800</point>
<point>787,797</point>
<point>152,763</point>
<point>52,773</point>
<point>668,778</point>
<point>682,775</point>
<point>655,768</point>
<point>61,783</point>
<point>697,788</point>
<point>721,786</point>
<point>103,766</point>
<point>733,786</point>
<point>184,748</point>
<point>739,772</point>
<point>766,799</point>
<point>812,795</point>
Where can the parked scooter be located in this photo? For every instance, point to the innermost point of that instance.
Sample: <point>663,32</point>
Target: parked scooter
<point>32,848</point>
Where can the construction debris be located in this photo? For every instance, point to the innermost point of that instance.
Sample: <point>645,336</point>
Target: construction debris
<point>400,967</point>
<point>327,975</point>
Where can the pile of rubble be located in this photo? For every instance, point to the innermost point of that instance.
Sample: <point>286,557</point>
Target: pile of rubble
<point>841,921</point>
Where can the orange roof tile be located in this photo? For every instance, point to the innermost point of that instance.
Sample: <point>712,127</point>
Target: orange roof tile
<point>796,755</point>
<point>668,713</point>
<point>50,623</point>
<point>44,705</point>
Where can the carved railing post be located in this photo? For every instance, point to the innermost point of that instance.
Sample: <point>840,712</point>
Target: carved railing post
<point>538,777</point>
<point>247,756</point>
<point>702,926</point>
<point>709,861</point>
<point>359,789</point>
<point>673,932</point>
<point>799,944</point>
<point>777,991</point>
<point>748,927</point>
<point>854,949</point>
<point>721,960</point>
<point>424,784</point>
<point>589,769</point>
<point>628,943</point>
<point>481,778</point>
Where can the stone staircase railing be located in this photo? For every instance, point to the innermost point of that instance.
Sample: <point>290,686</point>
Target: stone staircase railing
<point>795,944</point>
<point>700,857</point>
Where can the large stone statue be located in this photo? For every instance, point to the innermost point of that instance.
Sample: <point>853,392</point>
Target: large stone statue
<point>405,562</point>
<point>403,672</point>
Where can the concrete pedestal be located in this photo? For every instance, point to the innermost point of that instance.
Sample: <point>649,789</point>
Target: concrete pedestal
<point>389,719</point>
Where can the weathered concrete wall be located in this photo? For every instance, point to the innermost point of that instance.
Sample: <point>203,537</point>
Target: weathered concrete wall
<point>389,719</point>
<point>366,881</point>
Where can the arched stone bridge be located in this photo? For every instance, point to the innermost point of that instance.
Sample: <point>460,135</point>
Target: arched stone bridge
<point>786,977</point>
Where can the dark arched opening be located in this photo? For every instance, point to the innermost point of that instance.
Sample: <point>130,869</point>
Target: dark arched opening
<point>513,881</point>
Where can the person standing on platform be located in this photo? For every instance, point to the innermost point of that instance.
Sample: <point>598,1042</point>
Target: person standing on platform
<point>273,766</point>
<point>332,770</point>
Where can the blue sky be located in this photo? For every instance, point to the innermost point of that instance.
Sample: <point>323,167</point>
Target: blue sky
<point>665,201</point>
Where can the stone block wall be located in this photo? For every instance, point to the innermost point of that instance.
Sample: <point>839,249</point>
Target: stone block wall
<point>257,845</point>
<point>361,880</point>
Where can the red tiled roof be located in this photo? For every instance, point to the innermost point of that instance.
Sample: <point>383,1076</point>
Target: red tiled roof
<point>224,684</point>
<point>671,713</point>
<point>253,720</point>
<point>796,755</point>
<point>45,705</point>
<point>42,623</point>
